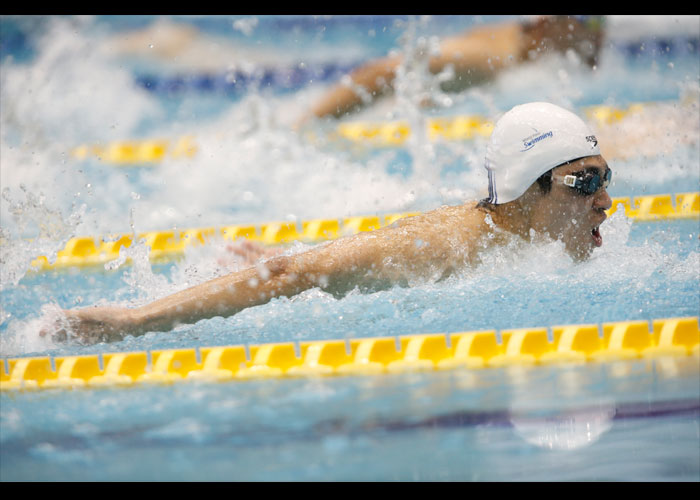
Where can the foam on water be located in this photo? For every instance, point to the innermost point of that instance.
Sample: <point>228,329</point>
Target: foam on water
<point>46,229</point>
<point>252,167</point>
<point>70,93</point>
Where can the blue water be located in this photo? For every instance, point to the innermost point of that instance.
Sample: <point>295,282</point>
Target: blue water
<point>622,421</point>
<point>446,426</point>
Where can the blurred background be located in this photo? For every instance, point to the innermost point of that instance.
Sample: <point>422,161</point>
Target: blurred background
<point>227,91</point>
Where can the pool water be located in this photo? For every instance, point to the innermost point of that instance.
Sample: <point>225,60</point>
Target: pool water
<point>631,420</point>
<point>568,424</point>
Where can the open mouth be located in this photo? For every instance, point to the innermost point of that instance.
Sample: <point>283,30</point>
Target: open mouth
<point>597,238</point>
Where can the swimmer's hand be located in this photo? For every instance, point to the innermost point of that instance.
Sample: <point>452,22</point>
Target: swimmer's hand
<point>246,253</point>
<point>91,325</point>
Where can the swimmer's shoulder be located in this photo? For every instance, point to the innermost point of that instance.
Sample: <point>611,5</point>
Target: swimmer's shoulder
<point>456,213</point>
<point>444,221</point>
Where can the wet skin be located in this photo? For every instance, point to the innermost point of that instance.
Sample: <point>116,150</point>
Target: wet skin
<point>428,246</point>
<point>579,216</point>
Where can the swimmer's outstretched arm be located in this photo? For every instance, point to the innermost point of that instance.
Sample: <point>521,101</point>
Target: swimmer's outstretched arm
<point>223,296</point>
<point>439,239</point>
<point>327,266</point>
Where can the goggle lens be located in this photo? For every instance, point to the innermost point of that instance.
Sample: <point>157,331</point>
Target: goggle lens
<point>588,182</point>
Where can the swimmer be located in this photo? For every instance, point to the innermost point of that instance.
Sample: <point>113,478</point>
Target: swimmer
<point>546,178</point>
<point>476,57</point>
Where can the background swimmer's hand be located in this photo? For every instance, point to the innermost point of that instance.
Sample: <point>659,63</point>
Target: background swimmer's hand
<point>91,325</point>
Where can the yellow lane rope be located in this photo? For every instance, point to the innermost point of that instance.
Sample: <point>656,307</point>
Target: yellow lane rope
<point>138,152</point>
<point>164,245</point>
<point>662,340</point>
<point>378,134</point>
<point>460,128</point>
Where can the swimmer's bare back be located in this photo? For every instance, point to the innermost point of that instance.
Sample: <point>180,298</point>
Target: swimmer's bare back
<point>431,244</point>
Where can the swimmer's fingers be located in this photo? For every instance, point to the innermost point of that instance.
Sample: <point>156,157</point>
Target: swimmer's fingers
<point>88,326</point>
<point>44,331</point>
<point>60,335</point>
<point>58,329</point>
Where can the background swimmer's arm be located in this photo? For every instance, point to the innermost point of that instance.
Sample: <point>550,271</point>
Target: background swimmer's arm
<point>375,78</point>
<point>474,56</point>
<point>483,50</point>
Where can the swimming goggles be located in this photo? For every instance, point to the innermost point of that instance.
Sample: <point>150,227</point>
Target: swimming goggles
<point>588,181</point>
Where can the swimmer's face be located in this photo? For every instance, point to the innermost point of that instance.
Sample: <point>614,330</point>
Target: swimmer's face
<point>570,216</point>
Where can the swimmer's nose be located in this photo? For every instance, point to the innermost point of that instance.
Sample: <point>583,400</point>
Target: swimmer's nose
<point>602,200</point>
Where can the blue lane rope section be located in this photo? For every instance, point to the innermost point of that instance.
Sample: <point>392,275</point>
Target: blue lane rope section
<point>296,77</point>
<point>236,82</point>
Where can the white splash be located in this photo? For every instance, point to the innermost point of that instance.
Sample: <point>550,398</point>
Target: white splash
<point>42,231</point>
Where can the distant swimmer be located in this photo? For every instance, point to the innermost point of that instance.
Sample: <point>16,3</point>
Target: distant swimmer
<point>546,179</point>
<point>177,44</point>
<point>475,56</point>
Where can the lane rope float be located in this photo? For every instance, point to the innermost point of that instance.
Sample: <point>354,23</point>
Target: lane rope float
<point>661,340</point>
<point>167,245</point>
<point>149,152</point>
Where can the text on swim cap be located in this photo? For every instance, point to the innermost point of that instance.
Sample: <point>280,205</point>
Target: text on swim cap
<point>529,142</point>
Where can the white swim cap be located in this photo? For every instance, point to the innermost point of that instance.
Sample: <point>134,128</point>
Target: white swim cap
<point>528,141</point>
